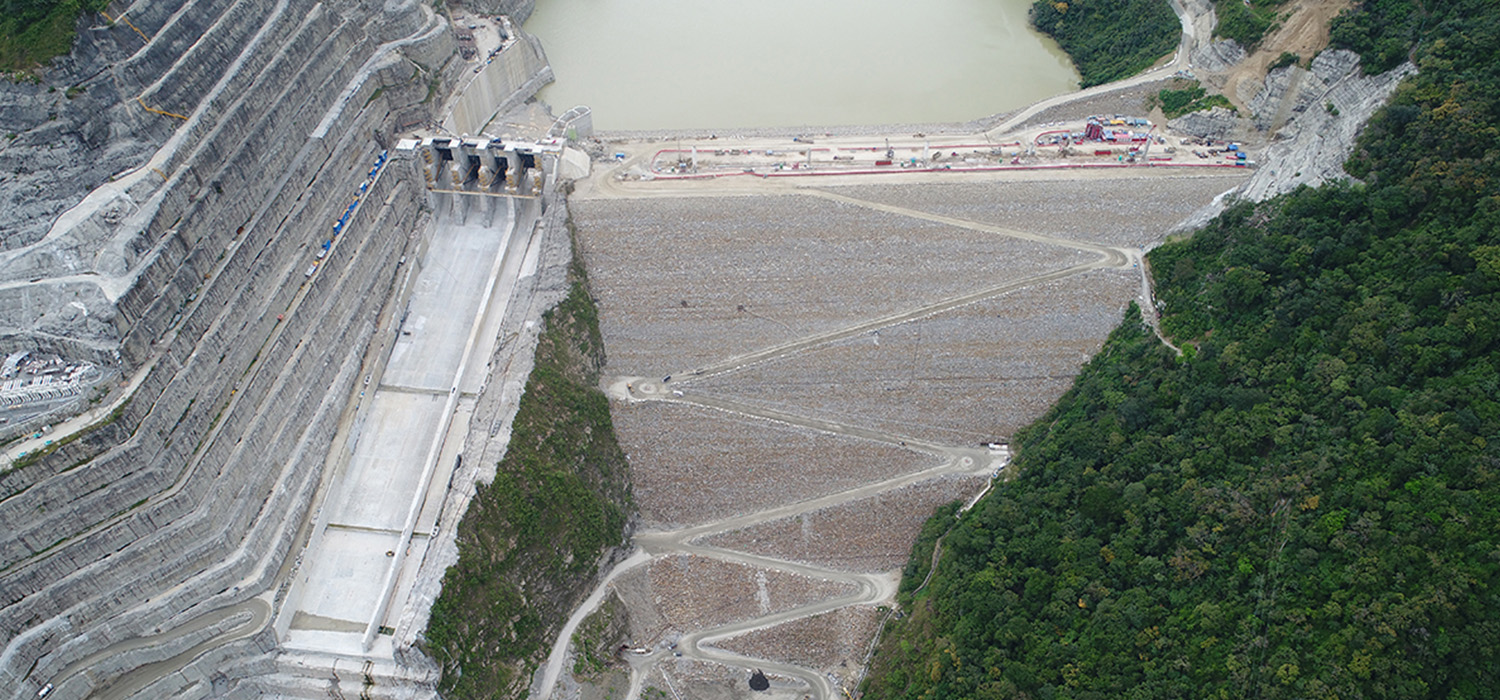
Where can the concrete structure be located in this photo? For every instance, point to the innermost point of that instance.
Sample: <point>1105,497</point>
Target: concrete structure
<point>502,81</point>
<point>408,434</point>
<point>485,166</point>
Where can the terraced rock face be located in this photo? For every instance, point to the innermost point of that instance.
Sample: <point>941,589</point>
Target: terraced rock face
<point>236,132</point>
<point>175,141</point>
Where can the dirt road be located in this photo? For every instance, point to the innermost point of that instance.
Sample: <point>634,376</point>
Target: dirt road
<point>681,385</point>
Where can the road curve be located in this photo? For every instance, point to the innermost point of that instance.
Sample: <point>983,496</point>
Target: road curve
<point>559,654</point>
<point>870,589</point>
<point>1192,27</point>
<point>255,612</point>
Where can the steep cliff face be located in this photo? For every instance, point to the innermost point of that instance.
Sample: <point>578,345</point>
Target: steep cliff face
<point>265,118</point>
<point>147,125</point>
<point>1315,116</point>
<point>1312,116</point>
<point>70,132</point>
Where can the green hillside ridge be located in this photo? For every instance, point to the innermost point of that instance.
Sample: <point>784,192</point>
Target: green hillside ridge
<point>33,32</point>
<point>1188,96</point>
<point>1307,503</point>
<point>1109,39</point>
<point>531,540</point>
<point>1246,21</point>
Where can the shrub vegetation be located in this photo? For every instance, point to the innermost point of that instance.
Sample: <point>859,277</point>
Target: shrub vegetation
<point>32,32</point>
<point>1193,98</point>
<point>531,539</point>
<point>1109,39</point>
<point>1246,23</point>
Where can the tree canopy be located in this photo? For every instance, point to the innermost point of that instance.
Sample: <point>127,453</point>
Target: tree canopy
<point>32,32</point>
<point>1307,503</point>
<point>1109,39</point>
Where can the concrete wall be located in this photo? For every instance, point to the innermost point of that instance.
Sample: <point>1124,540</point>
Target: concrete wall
<point>514,75</point>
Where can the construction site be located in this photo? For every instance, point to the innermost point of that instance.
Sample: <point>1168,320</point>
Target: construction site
<point>1098,141</point>
<point>264,345</point>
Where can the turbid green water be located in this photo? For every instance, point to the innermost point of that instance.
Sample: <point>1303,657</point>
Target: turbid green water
<point>667,64</point>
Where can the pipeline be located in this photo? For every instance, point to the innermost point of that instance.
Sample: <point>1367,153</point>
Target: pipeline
<point>142,103</point>
<point>127,23</point>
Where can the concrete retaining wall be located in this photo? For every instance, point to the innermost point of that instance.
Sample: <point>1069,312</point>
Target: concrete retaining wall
<point>514,75</point>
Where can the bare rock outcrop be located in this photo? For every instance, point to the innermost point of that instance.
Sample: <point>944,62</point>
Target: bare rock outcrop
<point>1329,107</point>
<point>1218,55</point>
<point>181,236</point>
<point>1315,117</point>
<point>68,132</point>
<point>1217,123</point>
<point>518,10</point>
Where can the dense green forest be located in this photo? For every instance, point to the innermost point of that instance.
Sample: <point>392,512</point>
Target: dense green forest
<point>531,540</point>
<point>1109,39</point>
<point>32,32</point>
<point>1306,504</point>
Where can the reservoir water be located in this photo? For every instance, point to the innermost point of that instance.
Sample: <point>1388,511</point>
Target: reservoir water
<point>669,64</point>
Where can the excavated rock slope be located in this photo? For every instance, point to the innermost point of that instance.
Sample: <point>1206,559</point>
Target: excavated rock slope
<point>192,265</point>
<point>1313,117</point>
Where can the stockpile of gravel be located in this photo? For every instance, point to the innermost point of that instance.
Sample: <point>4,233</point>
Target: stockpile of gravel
<point>1113,210</point>
<point>695,593</point>
<point>1128,101</point>
<point>833,642</point>
<point>685,281</point>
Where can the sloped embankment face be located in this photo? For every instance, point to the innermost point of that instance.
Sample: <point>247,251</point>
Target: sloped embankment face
<point>531,541</point>
<point>801,377</point>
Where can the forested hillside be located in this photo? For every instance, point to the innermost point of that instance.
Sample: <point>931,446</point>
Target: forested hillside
<point>1109,39</point>
<point>32,32</point>
<point>530,543</point>
<point>1247,21</point>
<point>1307,503</point>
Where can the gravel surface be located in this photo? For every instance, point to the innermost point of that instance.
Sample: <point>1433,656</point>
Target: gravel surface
<point>963,377</point>
<point>693,465</point>
<point>695,593</point>
<point>794,264</point>
<point>706,680</point>
<point>1129,101</point>
<point>647,624</point>
<point>1115,211</point>
<point>870,535</point>
<point>683,282</point>
<point>834,642</point>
